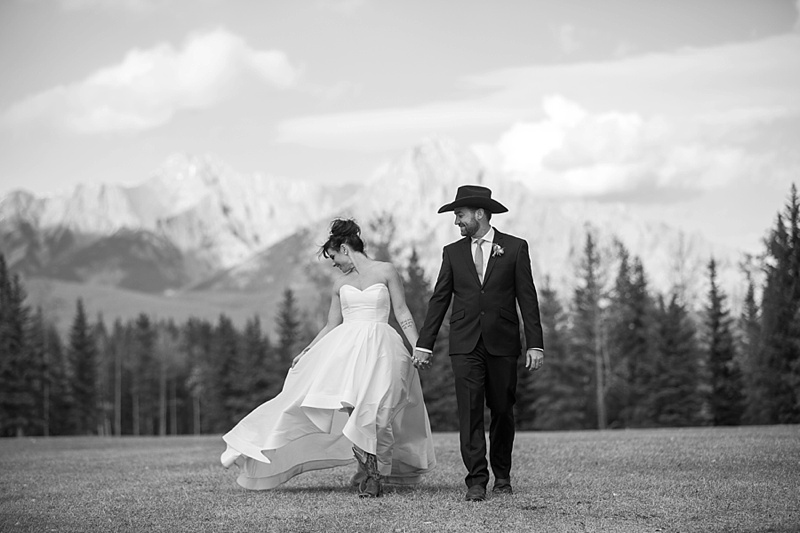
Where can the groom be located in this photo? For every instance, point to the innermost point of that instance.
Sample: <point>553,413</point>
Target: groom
<point>485,274</point>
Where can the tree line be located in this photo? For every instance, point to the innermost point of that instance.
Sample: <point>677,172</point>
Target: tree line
<point>627,357</point>
<point>618,355</point>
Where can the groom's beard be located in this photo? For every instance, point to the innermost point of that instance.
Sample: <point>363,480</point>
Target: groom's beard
<point>469,229</point>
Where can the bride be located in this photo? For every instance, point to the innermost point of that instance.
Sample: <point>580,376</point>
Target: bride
<point>353,391</point>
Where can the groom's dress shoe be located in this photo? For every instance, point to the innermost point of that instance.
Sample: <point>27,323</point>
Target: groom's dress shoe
<point>475,493</point>
<point>502,486</point>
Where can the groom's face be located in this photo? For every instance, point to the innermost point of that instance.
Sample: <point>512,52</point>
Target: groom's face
<point>466,221</point>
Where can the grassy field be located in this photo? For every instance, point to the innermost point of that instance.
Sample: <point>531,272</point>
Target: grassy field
<point>700,479</point>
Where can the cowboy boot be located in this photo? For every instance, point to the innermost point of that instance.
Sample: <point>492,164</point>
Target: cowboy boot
<point>371,487</point>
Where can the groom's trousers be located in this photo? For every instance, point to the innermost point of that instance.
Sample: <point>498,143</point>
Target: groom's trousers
<point>481,377</point>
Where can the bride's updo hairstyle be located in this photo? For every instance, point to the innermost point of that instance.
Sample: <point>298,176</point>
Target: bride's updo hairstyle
<point>343,232</point>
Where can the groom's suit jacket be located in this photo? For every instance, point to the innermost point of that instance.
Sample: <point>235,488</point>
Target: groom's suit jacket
<point>489,309</point>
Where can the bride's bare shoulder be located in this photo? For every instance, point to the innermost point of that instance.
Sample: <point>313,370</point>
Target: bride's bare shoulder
<point>386,267</point>
<point>388,271</point>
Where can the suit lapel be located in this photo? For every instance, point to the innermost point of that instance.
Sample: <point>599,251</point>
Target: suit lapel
<point>498,239</point>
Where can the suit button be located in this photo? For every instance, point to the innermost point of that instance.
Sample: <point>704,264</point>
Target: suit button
<point>483,292</point>
<point>483,313</point>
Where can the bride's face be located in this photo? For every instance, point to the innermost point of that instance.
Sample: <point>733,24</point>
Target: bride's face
<point>340,259</point>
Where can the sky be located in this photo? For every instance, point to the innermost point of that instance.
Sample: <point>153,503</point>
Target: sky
<point>686,112</point>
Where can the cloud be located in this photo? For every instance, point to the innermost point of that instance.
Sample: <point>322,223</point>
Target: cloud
<point>573,153</point>
<point>760,76</point>
<point>387,128</point>
<point>753,73</point>
<point>148,87</point>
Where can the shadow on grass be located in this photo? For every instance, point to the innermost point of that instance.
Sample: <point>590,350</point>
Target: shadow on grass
<point>393,489</point>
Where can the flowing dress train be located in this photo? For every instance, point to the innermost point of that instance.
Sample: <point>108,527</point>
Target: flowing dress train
<point>356,386</point>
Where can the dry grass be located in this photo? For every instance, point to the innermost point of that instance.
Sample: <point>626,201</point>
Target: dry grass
<point>703,479</point>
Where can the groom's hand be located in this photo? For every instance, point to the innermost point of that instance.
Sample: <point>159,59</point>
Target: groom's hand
<point>534,359</point>
<point>422,359</point>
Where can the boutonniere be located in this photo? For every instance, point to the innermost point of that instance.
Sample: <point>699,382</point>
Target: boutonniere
<point>497,250</point>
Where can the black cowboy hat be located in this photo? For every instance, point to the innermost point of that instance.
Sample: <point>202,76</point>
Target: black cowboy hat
<point>474,196</point>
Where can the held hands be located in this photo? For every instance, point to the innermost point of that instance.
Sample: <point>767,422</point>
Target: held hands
<point>534,359</point>
<point>422,360</point>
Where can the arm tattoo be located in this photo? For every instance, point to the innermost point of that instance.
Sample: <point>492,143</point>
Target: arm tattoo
<point>407,323</point>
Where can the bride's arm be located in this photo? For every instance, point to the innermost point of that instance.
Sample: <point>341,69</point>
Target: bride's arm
<point>401,312</point>
<point>334,319</point>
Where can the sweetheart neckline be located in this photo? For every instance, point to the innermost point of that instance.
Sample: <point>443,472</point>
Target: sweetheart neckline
<point>365,288</point>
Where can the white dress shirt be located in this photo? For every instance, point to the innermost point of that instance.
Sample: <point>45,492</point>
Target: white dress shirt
<point>486,246</point>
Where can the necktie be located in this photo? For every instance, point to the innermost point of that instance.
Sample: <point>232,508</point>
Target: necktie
<point>479,259</point>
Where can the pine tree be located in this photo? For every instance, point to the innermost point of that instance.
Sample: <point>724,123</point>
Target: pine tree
<point>255,375</point>
<point>38,357</point>
<point>587,337</point>
<point>60,388</point>
<point>619,321</point>
<point>417,289</point>
<point>631,346</point>
<point>198,338</point>
<point>105,377</point>
<point>143,376</point>
<point>676,400</point>
<point>642,370</point>
<point>118,348</point>
<point>754,372</point>
<point>178,369</point>
<point>82,355</point>
<point>274,371</point>
<point>780,332</point>
<point>289,330</point>
<point>726,379</point>
<point>167,353</point>
<point>224,388</point>
<point>555,394</point>
<point>17,398</point>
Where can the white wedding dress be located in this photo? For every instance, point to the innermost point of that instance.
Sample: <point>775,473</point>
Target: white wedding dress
<point>356,386</point>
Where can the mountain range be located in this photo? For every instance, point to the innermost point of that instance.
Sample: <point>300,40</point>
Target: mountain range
<point>197,231</point>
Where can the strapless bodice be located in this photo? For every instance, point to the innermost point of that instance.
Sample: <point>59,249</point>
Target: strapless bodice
<point>369,305</point>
